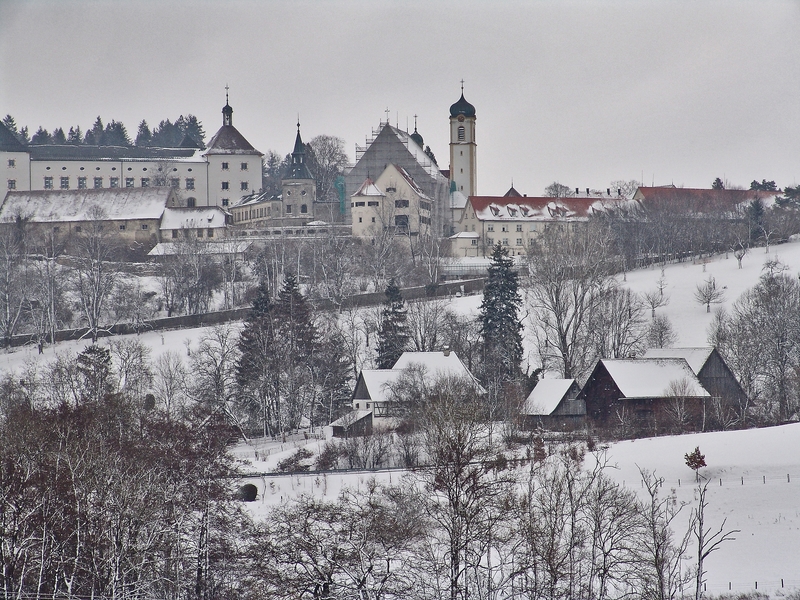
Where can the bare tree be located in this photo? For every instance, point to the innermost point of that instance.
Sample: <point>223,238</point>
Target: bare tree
<point>170,381</point>
<point>657,298</point>
<point>660,333</point>
<point>707,542</point>
<point>708,293</point>
<point>15,277</point>
<point>94,276</point>
<point>425,319</point>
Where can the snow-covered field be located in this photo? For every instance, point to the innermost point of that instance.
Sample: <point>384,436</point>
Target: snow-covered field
<point>759,469</point>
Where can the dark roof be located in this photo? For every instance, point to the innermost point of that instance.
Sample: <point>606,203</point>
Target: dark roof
<point>417,137</point>
<point>462,107</point>
<point>512,193</point>
<point>69,152</point>
<point>189,142</point>
<point>298,169</point>
<point>8,141</point>
<point>228,140</point>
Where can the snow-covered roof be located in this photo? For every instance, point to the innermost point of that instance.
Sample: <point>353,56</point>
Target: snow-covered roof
<point>458,199</point>
<point>410,181</point>
<point>546,396</point>
<point>350,418</point>
<point>209,217</point>
<point>510,208</point>
<point>208,247</point>
<point>652,377</point>
<point>378,381</point>
<point>696,357</point>
<point>465,234</point>
<point>437,364</point>
<point>60,206</point>
<point>368,188</point>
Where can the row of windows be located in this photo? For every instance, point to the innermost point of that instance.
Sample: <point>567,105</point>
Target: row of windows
<point>113,182</point>
<point>256,213</point>
<point>505,228</point>
<point>226,166</point>
<point>503,242</point>
<point>199,232</point>
<point>303,209</point>
<point>244,186</point>
<point>160,169</point>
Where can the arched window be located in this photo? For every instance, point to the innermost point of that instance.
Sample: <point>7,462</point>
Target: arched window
<point>460,133</point>
<point>304,209</point>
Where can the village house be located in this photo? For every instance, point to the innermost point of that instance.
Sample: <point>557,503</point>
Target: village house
<point>372,397</point>
<point>553,405</point>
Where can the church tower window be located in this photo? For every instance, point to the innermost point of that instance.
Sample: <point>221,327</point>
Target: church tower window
<point>461,135</point>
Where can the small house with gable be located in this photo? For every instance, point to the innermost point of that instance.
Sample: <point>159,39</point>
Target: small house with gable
<point>554,405</point>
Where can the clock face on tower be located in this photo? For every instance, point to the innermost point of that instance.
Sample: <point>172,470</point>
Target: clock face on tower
<point>461,118</point>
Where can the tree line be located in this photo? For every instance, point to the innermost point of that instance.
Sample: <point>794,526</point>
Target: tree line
<point>167,134</point>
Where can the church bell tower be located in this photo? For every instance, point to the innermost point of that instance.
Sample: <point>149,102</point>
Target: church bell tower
<point>463,148</point>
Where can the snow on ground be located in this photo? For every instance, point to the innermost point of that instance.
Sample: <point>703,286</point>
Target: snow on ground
<point>755,497</point>
<point>765,507</point>
<point>689,319</point>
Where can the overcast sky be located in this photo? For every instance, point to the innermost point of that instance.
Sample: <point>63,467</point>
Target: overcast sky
<point>578,92</point>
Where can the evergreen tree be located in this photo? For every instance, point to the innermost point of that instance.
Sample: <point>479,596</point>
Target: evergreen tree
<point>94,136</point>
<point>10,124</point>
<point>393,335</point>
<point>191,126</point>
<point>717,184</point>
<point>499,317</point>
<point>75,136</point>
<point>94,367</point>
<point>41,137</point>
<point>23,136</point>
<point>115,134</point>
<point>58,137</point>
<point>143,135</point>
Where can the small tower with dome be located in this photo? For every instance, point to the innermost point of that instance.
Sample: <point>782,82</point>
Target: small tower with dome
<point>298,187</point>
<point>463,149</point>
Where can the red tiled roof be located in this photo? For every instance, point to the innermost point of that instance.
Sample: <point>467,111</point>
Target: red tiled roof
<point>539,208</point>
<point>699,199</point>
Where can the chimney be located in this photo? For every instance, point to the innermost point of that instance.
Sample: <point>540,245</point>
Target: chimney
<point>447,351</point>
<point>608,191</point>
<point>587,191</point>
<point>619,191</point>
<point>577,191</point>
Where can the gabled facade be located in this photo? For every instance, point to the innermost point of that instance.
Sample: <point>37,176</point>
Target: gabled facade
<point>394,202</point>
<point>553,404</point>
<point>390,145</point>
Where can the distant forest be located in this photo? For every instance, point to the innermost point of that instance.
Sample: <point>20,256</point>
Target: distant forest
<point>168,134</point>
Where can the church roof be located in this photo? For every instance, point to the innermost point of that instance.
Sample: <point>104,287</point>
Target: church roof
<point>228,140</point>
<point>8,141</point>
<point>417,137</point>
<point>512,193</point>
<point>60,206</point>
<point>462,107</point>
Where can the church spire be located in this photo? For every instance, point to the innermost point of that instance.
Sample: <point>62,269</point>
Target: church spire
<point>227,111</point>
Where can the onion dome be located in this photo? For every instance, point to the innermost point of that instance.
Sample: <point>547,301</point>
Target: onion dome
<point>462,107</point>
<point>417,137</point>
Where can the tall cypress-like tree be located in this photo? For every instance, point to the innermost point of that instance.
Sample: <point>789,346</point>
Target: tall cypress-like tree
<point>393,336</point>
<point>501,328</point>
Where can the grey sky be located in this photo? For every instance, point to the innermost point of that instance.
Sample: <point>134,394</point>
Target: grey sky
<point>579,92</point>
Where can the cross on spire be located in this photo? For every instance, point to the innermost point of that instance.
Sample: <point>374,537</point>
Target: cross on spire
<point>387,114</point>
<point>226,94</point>
<point>462,86</point>
<point>415,122</point>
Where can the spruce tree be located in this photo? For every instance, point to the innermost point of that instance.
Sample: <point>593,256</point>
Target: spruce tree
<point>499,317</point>
<point>393,336</point>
